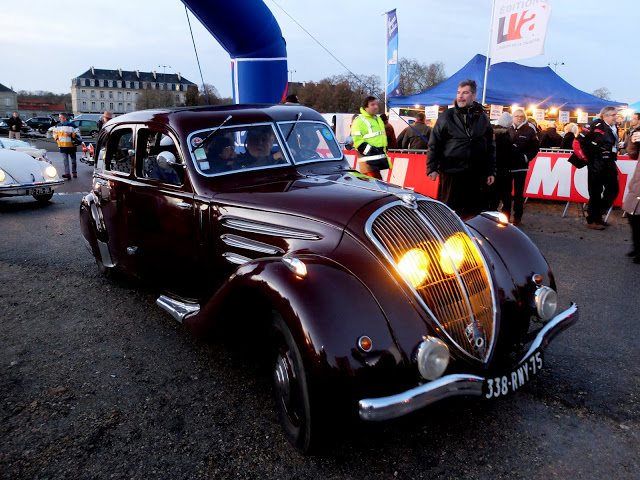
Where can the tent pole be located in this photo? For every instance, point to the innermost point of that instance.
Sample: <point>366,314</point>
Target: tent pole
<point>486,67</point>
<point>386,62</point>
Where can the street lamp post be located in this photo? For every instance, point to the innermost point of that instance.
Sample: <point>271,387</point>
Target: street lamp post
<point>164,79</point>
<point>291,72</point>
<point>555,65</point>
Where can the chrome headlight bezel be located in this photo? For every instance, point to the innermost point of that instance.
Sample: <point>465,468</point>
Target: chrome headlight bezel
<point>546,300</point>
<point>432,358</point>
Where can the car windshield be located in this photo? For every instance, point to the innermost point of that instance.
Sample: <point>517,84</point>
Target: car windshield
<point>310,141</point>
<point>237,149</point>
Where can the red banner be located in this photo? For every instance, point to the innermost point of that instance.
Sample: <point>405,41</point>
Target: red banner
<point>550,176</point>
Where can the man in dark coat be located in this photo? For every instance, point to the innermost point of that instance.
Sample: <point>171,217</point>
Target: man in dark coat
<point>525,143</point>
<point>550,137</point>
<point>417,136</point>
<point>599,144</point>
<point>462,152</point>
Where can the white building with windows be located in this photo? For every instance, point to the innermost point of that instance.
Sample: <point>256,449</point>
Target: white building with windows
<point>97,90</point>
<point>8,101</point>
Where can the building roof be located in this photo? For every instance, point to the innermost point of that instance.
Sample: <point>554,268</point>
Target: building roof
<point>134,76</point>
<point>5,89</point>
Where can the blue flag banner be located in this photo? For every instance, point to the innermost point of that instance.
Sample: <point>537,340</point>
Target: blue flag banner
<point>393,71</point>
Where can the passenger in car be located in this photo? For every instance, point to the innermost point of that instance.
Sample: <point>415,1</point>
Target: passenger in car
<point>258,149</point>
<point>156,167</point>
<point>221,152</point>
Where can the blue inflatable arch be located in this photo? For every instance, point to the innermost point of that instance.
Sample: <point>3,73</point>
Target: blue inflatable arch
<point>249,32</point>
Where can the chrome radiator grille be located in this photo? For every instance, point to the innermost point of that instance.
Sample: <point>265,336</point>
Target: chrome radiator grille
<point>431,248</point>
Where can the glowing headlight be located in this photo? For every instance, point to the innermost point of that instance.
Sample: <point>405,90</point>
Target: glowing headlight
<point>51,171</point>
<point>433,358</point>
<point>452,255</point>
<point>546,302</point>
<point>414,266</point>
<point>2,175</point>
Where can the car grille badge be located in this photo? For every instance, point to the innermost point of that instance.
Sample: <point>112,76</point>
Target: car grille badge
<point>408,200</point>
<point>475,335</point>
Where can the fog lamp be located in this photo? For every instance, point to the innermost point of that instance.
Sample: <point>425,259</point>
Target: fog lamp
<point>414,265</point>
<point>51,171</point>
<point>433,358</point>
<point>546,302</point>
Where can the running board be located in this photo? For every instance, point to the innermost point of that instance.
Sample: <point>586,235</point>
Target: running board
<point>178,310</point>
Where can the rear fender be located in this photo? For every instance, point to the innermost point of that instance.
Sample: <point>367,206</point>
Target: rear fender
<point>94,229</point>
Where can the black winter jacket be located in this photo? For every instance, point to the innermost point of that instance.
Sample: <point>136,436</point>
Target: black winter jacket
<point>462,140</point>
<point>550,138</point>
<point>597,141</point>
<point>412,138</point>
<point>14,123</point>
<point>525,141</point>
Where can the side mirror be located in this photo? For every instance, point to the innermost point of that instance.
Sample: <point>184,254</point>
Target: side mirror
<point>166,159</point>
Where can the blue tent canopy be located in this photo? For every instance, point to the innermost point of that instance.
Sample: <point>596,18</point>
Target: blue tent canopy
<point>635,107</point>
<point>508,84</point>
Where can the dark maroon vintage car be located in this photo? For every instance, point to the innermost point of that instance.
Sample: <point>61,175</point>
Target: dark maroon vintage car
<point>374,300</point>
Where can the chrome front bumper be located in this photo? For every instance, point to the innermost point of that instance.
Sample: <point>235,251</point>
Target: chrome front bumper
<point>384,408</point>
<point>15,189</point>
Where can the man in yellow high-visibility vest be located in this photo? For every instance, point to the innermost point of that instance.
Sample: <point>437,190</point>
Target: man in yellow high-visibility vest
<point>370,139</point>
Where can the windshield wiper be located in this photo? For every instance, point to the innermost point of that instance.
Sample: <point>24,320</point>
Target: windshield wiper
<point>298,117</point>
<point>211,134</point>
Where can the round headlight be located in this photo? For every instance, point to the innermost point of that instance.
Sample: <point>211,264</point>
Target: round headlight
<point>414,265</point>
<point>433,358</point>
<point>546,302</point>
<point>2,175</point>
<point>51,171</point>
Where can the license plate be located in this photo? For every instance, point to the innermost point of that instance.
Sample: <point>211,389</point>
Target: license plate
<point>39,191</point>
<point>518,377</point>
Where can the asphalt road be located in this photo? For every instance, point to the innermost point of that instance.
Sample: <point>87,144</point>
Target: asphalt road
<point>98,382</point>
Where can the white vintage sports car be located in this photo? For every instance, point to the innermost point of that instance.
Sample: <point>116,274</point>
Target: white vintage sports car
<point>25,170</point>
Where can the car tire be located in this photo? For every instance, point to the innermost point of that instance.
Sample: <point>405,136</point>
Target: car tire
<point>291,388</point>
<point>94,133</point>
<point>42,130</point>
<point>44,198</point>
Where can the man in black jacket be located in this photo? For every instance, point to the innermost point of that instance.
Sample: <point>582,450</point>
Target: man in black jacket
<point>462,152</point>
<point>598,142</point>
<point>525,143</point>
<point>550,137</point>
<point>15,124</point>
<point>417,136</point>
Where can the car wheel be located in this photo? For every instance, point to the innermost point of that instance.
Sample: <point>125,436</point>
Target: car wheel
<point>291,388</point>
<point>43,198</point>
<point>43,130</point>
<point>94,133</point>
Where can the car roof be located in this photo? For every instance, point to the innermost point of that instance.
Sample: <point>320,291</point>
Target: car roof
<point>187,119</point>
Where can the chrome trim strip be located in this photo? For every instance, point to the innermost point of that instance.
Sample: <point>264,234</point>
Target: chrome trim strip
<point>266,229</point>
<point>249,244</point>
<point>235,258</point>
<point>19,186</point>
<point>385,408</point>
<point>178,310</point>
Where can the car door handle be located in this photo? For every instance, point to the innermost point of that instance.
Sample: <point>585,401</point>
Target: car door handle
<point>184,205</point>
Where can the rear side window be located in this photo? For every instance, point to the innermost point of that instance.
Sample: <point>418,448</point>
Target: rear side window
<point>120,152</point>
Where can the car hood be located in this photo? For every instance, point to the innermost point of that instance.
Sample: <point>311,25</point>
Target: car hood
<point>332,199</point>
<point>22,167</point>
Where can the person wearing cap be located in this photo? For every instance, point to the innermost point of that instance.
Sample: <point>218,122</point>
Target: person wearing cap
<point>106,116</point>
<point>525,143</point>
<point>550,137</point>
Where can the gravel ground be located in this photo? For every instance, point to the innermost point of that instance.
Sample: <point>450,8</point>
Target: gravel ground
<point>98,382</point>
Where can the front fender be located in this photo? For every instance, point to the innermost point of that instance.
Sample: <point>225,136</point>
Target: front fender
<point>327,311</point>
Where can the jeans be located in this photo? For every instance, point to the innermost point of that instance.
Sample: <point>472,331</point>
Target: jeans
<point>65,161</point>
<point>603,190</point>
<point>517,179</point>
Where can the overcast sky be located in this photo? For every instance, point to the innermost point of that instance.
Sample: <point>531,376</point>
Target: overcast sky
<point>46,43</point>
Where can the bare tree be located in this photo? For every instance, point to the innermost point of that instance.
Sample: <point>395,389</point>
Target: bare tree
<point>151,98</point>
<point>416,77</point>
<point>602,92</point>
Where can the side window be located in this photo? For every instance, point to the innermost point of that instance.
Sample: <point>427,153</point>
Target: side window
<point>154,149</point>
<point>120,151</point>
